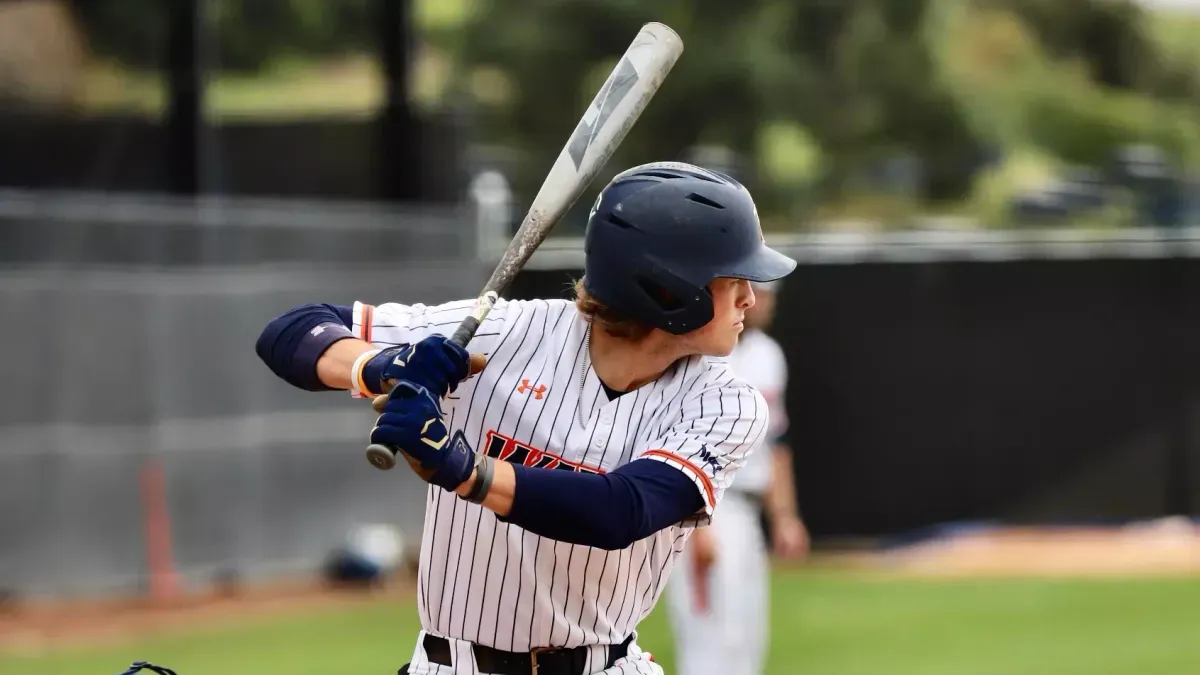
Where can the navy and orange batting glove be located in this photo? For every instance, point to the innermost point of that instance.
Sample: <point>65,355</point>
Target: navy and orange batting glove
<point>412,421</point>
<point>434,363</point>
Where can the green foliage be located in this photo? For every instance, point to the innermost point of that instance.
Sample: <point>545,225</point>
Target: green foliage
<point>1020,95</point>
<point>1175,34</point>
<point>1109,36</point>
<point>556,54</point>
<point>1085,124</point>
<point>994,188</point>
<point>856,77</point>
<point>248,34</point>
<point>788,154</point>
<point>133,32</point>
<point>1034,88</point>
<point>813,96</point>
<point>989,60</point>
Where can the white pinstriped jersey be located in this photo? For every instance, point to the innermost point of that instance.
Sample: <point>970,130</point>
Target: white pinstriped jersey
<point>539,402</point>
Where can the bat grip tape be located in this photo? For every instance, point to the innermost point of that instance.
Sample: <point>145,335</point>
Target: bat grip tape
<point>465,331</point>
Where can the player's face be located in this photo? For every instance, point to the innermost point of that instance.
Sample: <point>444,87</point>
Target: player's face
<point>763,312</point>
<point>731,299</point>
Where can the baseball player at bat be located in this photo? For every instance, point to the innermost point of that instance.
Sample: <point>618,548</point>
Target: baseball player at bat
<point>718,599</point>
<point>567,473</point>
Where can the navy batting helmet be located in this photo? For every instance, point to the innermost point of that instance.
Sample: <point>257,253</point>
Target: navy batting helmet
<point>660,232</point>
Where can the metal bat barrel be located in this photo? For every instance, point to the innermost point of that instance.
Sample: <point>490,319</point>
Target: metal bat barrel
<point>617,105</point>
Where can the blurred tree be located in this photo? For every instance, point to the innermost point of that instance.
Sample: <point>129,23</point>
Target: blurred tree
<point>855,73</point>
<point>1114,39</point>
<point>249,34</point>
<point>858,84</point>
<point>1107,35</point>
<point>1057,89</point>
<point>892,103</point>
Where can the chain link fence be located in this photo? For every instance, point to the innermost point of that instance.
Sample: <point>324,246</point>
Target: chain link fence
<point>129,362</point>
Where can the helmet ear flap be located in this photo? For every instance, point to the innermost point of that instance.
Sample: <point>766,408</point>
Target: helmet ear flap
<point>666,300</point>
<point>674,304</point>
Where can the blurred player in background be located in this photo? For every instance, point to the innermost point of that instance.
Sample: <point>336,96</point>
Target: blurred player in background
<point>718,594</point>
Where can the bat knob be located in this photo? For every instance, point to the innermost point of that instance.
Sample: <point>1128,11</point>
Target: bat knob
<point>381,457</point>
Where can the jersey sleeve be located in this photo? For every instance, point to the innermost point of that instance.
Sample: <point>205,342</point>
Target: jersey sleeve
<point>711,439</point>
<point>392,324</point>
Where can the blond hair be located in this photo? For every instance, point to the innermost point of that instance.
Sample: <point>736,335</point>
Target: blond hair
<point>608,319</point>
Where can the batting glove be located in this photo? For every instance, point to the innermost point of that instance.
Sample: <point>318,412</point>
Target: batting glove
<point>412,421</point>
<point>434,363</point>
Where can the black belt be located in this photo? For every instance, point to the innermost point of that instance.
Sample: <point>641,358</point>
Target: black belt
<point>541,661</point>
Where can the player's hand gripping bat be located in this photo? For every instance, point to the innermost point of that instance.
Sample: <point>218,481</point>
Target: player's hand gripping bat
<point>618,104</point>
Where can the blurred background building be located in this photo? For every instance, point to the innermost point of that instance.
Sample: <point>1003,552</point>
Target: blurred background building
<point>995,204</point>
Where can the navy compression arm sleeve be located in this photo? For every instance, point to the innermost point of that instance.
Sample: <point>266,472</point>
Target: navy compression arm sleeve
<point>609,511</point>
<point>291,344</point>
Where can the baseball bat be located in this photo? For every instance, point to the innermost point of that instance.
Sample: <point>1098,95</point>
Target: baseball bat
<point>605,123</point>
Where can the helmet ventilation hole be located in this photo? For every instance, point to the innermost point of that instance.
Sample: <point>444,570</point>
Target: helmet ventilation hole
<point>701,199</point>
<point>620,222</point>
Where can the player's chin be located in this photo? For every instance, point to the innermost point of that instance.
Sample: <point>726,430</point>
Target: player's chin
<point>723,345</point>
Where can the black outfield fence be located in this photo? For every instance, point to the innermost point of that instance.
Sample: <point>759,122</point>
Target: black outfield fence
<point>1025,382</point>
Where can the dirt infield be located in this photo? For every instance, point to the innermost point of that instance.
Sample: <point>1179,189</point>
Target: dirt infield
<point>30,630</point>
<point>1169,546</point>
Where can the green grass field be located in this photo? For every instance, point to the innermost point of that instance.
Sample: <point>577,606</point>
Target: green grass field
<point>824,622</point>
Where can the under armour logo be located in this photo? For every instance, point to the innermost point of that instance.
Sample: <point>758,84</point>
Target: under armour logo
<point>537,391</point>
<point>317,331</point>
<point>708,458</point>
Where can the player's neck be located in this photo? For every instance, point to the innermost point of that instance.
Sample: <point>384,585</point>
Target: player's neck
<point>625,365</point>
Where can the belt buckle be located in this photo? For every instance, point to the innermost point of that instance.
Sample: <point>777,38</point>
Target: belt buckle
<point>533,654</point>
